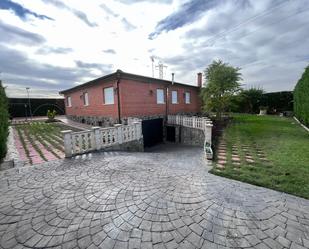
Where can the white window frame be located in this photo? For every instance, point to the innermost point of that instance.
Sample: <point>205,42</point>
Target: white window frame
<point>160,96</point>
<point>174,97</point>
<point>86,98</point>
<point>108,90</point>
<point>69,101</point>
<point>187,97</point>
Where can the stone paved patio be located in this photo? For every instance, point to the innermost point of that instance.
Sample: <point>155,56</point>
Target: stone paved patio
<point>144,200</point>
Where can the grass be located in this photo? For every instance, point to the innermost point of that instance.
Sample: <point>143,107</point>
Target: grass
<point>47,134</point>
<point>279,148</point>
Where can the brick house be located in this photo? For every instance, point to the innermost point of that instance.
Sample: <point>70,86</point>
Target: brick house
<point>117,96</point>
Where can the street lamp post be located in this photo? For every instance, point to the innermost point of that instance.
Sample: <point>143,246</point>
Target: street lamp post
<point>27,88</point>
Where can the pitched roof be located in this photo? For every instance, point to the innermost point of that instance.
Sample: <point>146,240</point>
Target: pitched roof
<point>122,75</point>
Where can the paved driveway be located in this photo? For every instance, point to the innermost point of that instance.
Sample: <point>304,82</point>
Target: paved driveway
<point>144,200</point>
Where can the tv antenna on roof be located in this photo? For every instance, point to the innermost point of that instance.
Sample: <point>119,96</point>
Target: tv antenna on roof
<point>161,67</point>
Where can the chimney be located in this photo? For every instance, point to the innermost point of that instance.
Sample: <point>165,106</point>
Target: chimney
<point>173,78</point>
<point>199,80</point>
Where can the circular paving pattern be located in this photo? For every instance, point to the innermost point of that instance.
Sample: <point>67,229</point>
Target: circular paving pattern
<point>144,200</point>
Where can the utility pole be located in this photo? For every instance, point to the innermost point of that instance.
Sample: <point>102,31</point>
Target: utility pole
<point>27,88</point>
<point>161,67</point>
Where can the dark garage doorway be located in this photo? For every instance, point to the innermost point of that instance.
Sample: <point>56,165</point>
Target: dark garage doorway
<point>171,134</point>
<point>152,131</point>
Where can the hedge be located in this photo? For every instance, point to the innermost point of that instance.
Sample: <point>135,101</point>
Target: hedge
<point>275,102</point>
<point>279,101</point>
<point>301,98</point>
<point>4,123</point>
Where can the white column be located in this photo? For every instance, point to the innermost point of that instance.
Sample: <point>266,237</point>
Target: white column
<point>177,120</point>
<point>138,129</point>
<point>97,144</point>
<point>119,133</point>
<point>208,133</point>
<point>194,122</point>
<point>67,138</point>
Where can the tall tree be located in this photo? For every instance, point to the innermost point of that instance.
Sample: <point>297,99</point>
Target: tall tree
<point>251,99</point>
<point>222,82</point>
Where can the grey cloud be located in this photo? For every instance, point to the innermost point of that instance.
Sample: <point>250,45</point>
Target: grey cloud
<point>21,11</point>
<point>104,68</point>
<point>140,1</point>
<point>79,14</point>
<point>22,69</point>
<point>189,12</point>
<point>128,26</point>
<point>108,10</point>
<point>14,35</point>
<point>56,50</point>
<point>109,51</point>
<point>272,50</point>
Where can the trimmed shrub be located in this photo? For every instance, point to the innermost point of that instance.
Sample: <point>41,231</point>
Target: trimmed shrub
<point>4,122</point>
<point>301,98</point>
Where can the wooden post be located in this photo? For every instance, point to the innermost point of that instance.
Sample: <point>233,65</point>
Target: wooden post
<point>96,141</point>
<point>67,138</point>
<point>119,133</point>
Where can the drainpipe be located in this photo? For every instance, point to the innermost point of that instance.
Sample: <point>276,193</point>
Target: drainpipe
<point>167,97</point>
<point>118,96</point>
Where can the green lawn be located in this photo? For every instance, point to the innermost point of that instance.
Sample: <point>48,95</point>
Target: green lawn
<point>268,151</point>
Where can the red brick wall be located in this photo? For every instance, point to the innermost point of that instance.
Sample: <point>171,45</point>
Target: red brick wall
<point>137,99</point>
<point>140,99</point>
<point>96,105</point>
<point>195,104</point>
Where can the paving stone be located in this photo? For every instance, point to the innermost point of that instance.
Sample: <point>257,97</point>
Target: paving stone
<point>144,200</point>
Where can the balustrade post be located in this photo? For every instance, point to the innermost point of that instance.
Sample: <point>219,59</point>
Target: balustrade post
<point>208,132</point>
<point>67,138</point>
<point>137,129</point>
<point>119,132</point>
<point>96,141</point>
<point>194,122</point>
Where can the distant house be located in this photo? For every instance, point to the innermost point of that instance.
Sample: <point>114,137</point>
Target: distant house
<point>117,96</point>
<point>113,98</point>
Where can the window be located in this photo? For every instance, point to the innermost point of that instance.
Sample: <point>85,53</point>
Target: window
<point>108,96</point>
<point>86,99</point>
<point>187,98</point>
<point>160,96</point>
<point>69,101</point>
<point>174,97</point>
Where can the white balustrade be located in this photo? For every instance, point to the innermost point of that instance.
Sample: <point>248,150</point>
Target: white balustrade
<point>99,138</point>
<point>201,123</point>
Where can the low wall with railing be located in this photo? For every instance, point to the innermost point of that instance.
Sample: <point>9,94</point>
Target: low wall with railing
<point>100,138</point>
<point>201,123</point>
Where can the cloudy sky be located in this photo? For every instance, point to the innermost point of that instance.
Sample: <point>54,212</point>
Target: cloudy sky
<point>51,45</point>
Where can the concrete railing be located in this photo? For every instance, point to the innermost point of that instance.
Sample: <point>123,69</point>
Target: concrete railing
<point>99,138</point>
<point>202,123</point>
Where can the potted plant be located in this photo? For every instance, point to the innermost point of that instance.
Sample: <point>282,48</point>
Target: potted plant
<point>263,110</point>
<point>51,116</point>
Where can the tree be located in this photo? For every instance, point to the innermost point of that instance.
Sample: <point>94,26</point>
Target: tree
<point>4,121</point>
<point>222,83</point>
<point>251,99</point>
